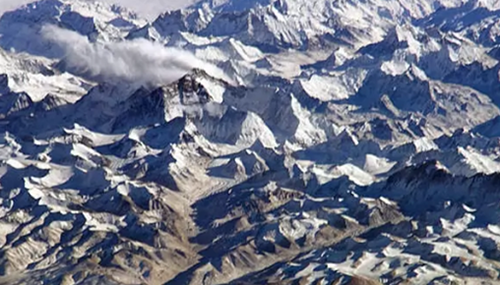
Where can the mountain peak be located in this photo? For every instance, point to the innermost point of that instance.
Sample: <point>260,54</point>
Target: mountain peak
<point>94,20</point>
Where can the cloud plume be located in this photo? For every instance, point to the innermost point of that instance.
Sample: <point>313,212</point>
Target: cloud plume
<point>136,61</point>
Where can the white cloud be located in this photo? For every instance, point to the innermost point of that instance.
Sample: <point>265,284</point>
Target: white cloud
<point>146,8</point>
<point>137,61</point>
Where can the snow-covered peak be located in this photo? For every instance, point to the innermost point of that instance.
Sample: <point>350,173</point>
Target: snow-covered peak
<point>217,142</point>
<point>20,29</point>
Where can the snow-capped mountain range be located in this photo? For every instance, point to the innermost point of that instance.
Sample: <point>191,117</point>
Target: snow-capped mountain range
<point>251,142</point>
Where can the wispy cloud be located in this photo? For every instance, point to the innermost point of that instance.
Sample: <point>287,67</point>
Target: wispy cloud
<point>137,61</point>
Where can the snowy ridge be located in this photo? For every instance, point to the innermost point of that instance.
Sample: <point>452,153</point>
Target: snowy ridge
<point>250,142</point>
